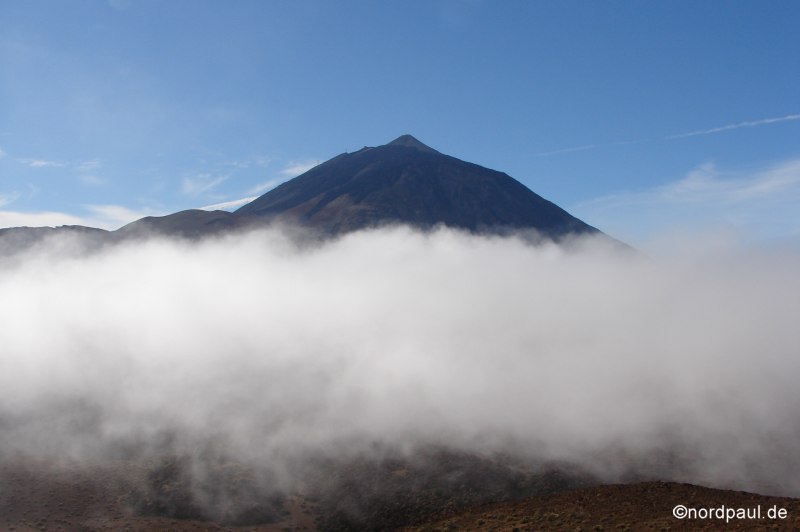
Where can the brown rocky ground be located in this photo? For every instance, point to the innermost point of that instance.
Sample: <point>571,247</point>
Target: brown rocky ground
<point>642,506</point>
<point>37,496</point>
<point>52,496</point>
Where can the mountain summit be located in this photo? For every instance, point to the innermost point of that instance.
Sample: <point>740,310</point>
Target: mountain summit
<point>407,182</point>
<point>410,142</point>
<point>403,182</point>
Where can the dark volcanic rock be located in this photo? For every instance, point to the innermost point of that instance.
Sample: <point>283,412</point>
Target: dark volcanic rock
<point>209,490</point>
<point>407,182</point>
<point>191,223</point>
<point>404,182</point>
<point>387,493</point>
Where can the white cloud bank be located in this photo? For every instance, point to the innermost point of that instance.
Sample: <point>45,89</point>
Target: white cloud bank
<point>405,339</point>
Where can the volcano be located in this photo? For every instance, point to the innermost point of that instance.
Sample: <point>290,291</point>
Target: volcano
<point>406,182</point>
<point>403,182</point>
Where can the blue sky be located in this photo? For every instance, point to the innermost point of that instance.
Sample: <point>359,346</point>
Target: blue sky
<point>640,118</point>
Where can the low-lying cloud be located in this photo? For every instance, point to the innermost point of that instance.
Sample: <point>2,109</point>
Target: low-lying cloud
<point>579,354</point>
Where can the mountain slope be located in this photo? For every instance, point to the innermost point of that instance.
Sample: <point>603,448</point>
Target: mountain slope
<point>191,223</point>
<point>407,182</point>
<point>403,182</point>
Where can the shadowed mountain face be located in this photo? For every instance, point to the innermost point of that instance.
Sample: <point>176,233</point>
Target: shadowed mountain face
<point>407,182</point>
<point>403,182</point>
<point>191,223</point>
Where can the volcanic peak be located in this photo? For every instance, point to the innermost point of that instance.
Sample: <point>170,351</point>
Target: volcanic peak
<point>410,142</point>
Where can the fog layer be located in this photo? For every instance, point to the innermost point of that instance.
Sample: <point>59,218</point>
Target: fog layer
<point>685,368</point>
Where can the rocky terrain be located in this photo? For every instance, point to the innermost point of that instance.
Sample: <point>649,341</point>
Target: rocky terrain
<point>52,496</point>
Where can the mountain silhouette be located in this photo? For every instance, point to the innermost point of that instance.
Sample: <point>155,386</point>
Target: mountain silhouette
<point>403,182</point>
<point>407,182</point>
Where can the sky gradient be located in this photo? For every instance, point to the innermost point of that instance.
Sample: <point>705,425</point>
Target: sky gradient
<point>641,119</point>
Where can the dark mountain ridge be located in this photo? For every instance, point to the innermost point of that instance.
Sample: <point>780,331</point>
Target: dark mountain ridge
<point>407,182</point>
<point>403,182</point>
